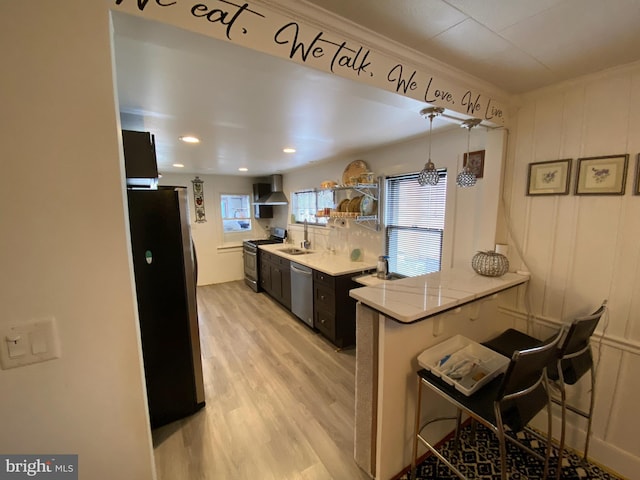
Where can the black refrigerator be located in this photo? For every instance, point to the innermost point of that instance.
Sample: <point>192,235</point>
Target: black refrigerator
<point>165,276</point>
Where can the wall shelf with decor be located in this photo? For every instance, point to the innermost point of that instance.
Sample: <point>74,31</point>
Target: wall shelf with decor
<point>363,209</point>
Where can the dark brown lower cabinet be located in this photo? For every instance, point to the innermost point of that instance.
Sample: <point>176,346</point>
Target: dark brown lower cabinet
<point>334,311</point>
<point>275,277</point>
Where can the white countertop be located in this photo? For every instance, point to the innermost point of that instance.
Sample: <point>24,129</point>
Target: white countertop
<point>330,263</point>
<point>371,279</point>
<point>414,298</point>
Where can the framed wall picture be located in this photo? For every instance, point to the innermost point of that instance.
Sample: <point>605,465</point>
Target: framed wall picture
<point>476,164</point>
<point>549,178</point>
<point>636,184</point>
<point>602,175</point>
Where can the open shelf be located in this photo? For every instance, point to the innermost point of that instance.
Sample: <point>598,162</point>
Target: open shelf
<point>370,190</point>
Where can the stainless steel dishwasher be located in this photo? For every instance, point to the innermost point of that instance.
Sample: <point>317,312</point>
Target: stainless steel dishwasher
<point>302,293</point>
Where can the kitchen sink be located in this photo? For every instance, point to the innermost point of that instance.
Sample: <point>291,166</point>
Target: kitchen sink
<point>295,251</point>
<point>395,276</point>
<point>390,276</point>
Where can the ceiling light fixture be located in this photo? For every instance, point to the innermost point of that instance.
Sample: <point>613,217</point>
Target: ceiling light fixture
<point>466,178</point>
<point>243,169</point>
<point>178,165</point>
<point>289,150</point>
<point>189,139</point>
<point>429,175</point>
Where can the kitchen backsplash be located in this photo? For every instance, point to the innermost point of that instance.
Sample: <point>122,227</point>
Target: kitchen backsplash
<point>340,239</point>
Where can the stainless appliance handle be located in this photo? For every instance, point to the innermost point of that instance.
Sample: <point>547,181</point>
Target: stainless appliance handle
<point>297,270</point>
<point>249,252</point>
<point>195,262</point>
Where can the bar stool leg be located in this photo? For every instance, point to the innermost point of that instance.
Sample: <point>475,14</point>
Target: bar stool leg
<point>502,442</point>
<point>474,428</point>
<point>591,404</point>
<point>563,425</point>
<point>416,432</point>
<point>457,434</point>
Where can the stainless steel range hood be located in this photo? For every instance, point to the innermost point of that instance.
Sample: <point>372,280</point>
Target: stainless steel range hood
<point>276,196</point>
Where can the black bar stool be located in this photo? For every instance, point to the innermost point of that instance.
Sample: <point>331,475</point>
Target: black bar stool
<point>570,367</point>
<point>510,400</point>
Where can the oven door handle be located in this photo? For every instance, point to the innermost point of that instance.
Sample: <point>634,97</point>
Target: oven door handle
<point>249,252</point>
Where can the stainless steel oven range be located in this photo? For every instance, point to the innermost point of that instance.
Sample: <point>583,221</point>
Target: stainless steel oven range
<point>251,256</point>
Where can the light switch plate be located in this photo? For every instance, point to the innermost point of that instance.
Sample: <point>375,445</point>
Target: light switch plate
<point>16,345</point>
<point>39,342</point>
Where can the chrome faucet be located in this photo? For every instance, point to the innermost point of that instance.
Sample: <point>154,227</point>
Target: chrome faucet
<point>306,243</point>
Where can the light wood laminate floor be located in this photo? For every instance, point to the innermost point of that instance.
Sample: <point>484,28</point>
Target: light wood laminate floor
<point>279,398</point>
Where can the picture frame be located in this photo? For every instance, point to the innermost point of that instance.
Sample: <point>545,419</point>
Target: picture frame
<point>603,175</point>
<point>549,178</point>
<point>636,184</point>
<point>477,162</point>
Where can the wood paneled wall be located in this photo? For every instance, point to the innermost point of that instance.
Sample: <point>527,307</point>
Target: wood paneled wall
<point>583,249</point>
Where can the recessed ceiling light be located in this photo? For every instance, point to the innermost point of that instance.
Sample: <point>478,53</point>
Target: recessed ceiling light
<point>178,165</point>
<point>243,169</point>
<point>289,150</point>
<point>189,139</point>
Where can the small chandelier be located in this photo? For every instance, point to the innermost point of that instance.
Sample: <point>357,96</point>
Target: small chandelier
<point>466,178</point>
<point>429,175</point>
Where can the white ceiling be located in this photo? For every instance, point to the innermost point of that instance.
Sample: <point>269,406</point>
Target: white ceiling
<point>244,105</point>
<point>247,106</point>
<point>517,45</point>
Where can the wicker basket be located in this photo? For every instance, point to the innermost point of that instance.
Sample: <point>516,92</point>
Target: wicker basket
<point>490,263</point>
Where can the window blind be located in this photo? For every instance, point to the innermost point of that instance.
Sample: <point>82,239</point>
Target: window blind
<point>306,203</point>
<point>414,218</point>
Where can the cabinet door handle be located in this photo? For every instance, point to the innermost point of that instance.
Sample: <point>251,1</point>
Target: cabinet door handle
<point>321,297</point>
<point>322,320</point>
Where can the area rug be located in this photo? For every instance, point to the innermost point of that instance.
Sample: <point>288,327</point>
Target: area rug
<point>480,460</point>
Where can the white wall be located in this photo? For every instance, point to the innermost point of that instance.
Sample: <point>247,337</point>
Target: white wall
<point>65,252</point>
<point>583,249</point>
<point>471,215</point>
<point>467,208</point>
<point>64,246</point>
<point>218,261</point>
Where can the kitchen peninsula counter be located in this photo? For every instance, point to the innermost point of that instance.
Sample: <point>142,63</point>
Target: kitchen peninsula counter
<point>335,264</point>
<point>412,299</point>
<point>395,321</point>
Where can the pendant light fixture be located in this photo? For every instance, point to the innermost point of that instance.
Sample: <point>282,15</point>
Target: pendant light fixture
<point>466,178</point>
<point>429,175</point>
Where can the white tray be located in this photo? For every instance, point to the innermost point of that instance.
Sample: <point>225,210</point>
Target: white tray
<point>466,364</point>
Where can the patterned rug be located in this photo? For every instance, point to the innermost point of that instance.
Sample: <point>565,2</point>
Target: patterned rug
<point>481,460</point>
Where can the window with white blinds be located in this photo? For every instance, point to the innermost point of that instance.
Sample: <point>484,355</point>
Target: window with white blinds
<point>414,218</point>
<point>306,203</point>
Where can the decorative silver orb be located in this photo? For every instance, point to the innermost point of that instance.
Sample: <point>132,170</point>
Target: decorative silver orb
<point>490,264</point>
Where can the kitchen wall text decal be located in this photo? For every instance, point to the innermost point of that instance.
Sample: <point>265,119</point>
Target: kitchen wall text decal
<point>213,15</point>
<point>257,28</point>
<point>343,54</point>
